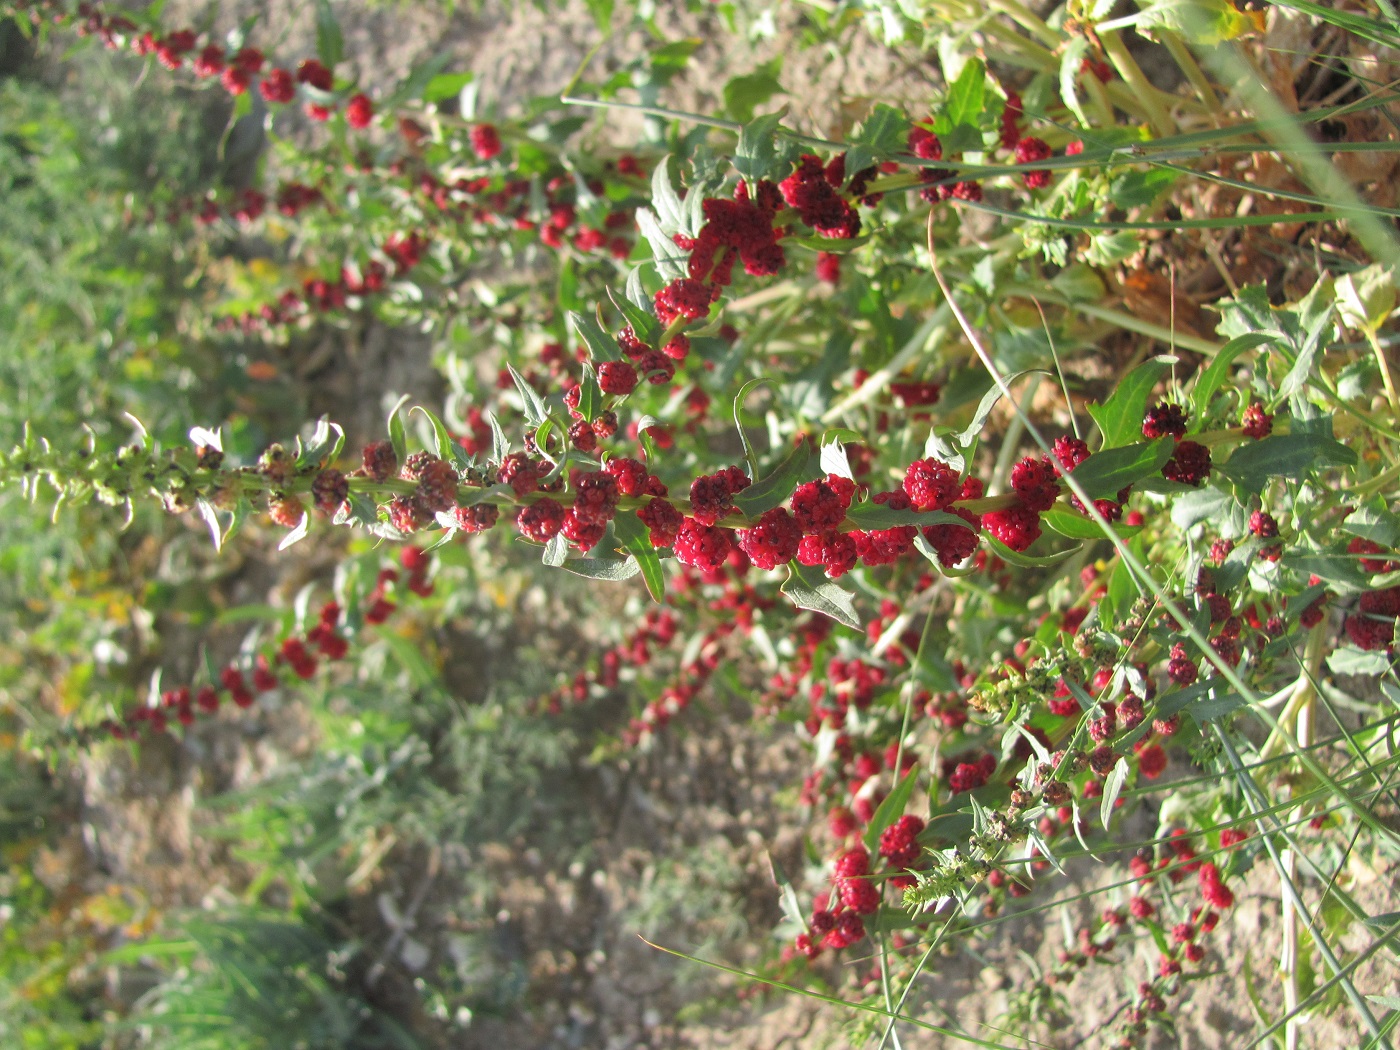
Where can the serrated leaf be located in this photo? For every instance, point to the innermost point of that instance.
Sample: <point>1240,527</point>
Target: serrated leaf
<point>500,447</point>
<point>891,809</point>
<point>1292,455</point>
<point>757,156</point>
<point>808,588</point>
<point>670,209</point>
<point>1348,659</point>
<point>1112,787</point>
<point>989,402</point>
<point>636,540</point>
<point>601,346</point>
<point>590,396</point>
<point>535,411</point>
<point>1200,505</point>
<point>1120,417</point>
<point>766,493</point>
<point>671,263</point>
<point>882,135</point>
<point>645,324</point>
<point>1070,62</point>
<point>742,94</point>
<point>1104,473</point>
<point>966,96</point>
<point>1375,522</point>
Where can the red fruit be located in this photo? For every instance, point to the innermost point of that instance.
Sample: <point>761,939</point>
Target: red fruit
<point>1257,422</point>
<point>380,462</point>
<point>773,541</point>
<point>541,520</point>
<point>359,111</point>
<point>311,71</point>
<point>1036,482</point>
<point>486,141</point>
<point>1152,760</point>
<point>477,518</point>
<point>277,86</point>
<point>829,267</point>
<point>617,378</point>
<point>1017,526</point>
<point>1028,151</point>
<point>1164,419</point>
<point>1190,464</point>
<point>931,484</point>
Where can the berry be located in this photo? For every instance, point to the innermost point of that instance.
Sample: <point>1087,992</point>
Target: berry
<point>711,498</point>
<point>1028,151</point>
<point>617,378</point>
<point>1190,465</point>
<point>683,297</point>
<point>828,268</point>
<point>834,551</point>
<point>1069,452</point>
<point>581,532</point>
<point>437,481</point>
<point>541,520</point>
<point>277,86</point>
<point>773,541</point>
<point>705,547</point>
<point>359,111</point>
<point>817,507</point>
<point>1017,526</point>
<point>408,514</point>
<point>662,520</point>
<point>1263,525</point>
<point>520,472</point>
<point>477,518</point>
<point>380,463</point>
<point>1180,668</point>
<point>486,141</point>
<point>329,489</point>
<point>1164,418</point>
<point>311,71</point>
<point>931,484</point>
<point>286,511</point>
<point>1152,760</point>
<point>581,436</point>
<point>1257,423</point>
<point>1035,481</point>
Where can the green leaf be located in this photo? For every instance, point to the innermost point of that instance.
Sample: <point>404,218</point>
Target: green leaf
<point>883,134</point>
<point>989,402</point>
<point>1348,659</point>
<point>931,668</point>
<point>1080,526</point>
<point>671,262</point>
<point>601,346</point>
<point>1071,59</point>
<point>397,437</point>
<point>535,411</point>
<point>892,808</point>
<point>1025,561</point>
<point>1374,521</point>
<point>330,44</point>
<point>766,493</point>
<point>445,85</point>
<point>645,324</point>
<point>808,588</point>
<point>749,455</point>
<point>325,443</point>
<point>602,568</point>
<point>442,439</point>
<point>590,395</point>
<point>966,96</point>
<point>744,93</point>
<point>757,156</point>
<point>670,209</point>
<point>500,445</point>
<point>1199,505</point>
<point>556,550</point>
<point>636,540</point>
<point>1120,417</point>
<point>787,896</point>
<point>1138,189</point>
<point>1112,786</point>
<point>1285,455</point>
<point>870,516</point>
<point>1103,474</point>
